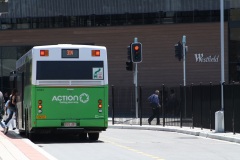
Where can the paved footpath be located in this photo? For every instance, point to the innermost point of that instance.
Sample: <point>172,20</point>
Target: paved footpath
<point>124,123</point>
<point>14,147</point>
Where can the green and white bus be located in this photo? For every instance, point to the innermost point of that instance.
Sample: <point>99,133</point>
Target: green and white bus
<point>63,89</point>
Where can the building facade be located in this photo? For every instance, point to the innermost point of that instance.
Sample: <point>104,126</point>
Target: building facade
<point>158,25</point>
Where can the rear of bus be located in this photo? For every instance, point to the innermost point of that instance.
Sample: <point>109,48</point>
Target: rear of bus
<point>70,89</point>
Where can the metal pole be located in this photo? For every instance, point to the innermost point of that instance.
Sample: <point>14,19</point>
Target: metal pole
<point>201,107</point>
<point>181,104</point>
<point>192,106</point>
<point>210,115</point>
<point>136,83</point>
<point>184,60</point>
<point>163,105</point>
<point>136,90</point>
<point>140,100</point>
<point>222,51</point>
<point>184,73</point>
<point>233,113</point>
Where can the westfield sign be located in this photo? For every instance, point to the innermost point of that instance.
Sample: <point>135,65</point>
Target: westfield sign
<point>206,59</point>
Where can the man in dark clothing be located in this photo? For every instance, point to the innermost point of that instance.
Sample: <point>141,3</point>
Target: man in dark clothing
<point>155,104</point>
<point>172,104</point>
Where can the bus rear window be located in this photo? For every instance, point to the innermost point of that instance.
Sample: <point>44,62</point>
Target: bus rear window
<point>69,70</point>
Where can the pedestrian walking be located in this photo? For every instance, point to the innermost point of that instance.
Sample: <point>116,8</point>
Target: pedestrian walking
<point>12,107</point>
<point>172,103</point>
<point>12,121</point>
<point>155,105</point>
<point>1,109</point>
<point>6,97</point>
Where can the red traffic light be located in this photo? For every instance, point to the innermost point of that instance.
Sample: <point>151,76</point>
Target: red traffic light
<point>136,48</point>
<point>136,52</point>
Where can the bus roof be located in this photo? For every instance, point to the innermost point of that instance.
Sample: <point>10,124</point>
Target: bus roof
<point>28,56</point>
<point>68,45</point>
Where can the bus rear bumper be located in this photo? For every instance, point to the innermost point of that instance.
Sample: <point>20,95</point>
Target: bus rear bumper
<point>43,130</point>
<point>77,126</point>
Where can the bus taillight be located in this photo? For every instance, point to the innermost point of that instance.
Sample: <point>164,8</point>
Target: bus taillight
<point>39,106</point>
<point>99,105</point>
<point>95,53</point>
<point>44,53</point>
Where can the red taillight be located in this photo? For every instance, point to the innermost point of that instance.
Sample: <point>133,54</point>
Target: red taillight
<point>100,110</point>
<point>99,103</point>
<point>40,106</point>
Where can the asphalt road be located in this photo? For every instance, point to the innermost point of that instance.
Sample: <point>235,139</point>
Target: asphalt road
<point>129,144</point>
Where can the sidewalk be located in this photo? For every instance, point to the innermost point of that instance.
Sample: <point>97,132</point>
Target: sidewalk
<point>14,147</point>
<point>132,124</point>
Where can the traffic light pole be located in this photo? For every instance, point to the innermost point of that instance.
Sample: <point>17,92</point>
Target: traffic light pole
<point>136,83</point>
<point>135,57</point>
<point>136,88</point>
<point>184,71</point>
<point>184,59</point>
<point>222,51</point>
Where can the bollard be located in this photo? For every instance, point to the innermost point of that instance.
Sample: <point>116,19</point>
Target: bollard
<point>219,122</point>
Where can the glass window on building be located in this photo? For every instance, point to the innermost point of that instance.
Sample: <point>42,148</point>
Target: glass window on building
<point>102,20</point>
<point>6,23</point>
<point>202,16</point>
<point>118,19</point>
<point>152,18</point>
<point>234,46</point>
<point>8,57</point>
<point>184,17</point>
<point>135,19</point>
<point>168,17</point>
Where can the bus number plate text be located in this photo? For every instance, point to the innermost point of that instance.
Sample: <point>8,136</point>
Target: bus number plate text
<point>70,124</point>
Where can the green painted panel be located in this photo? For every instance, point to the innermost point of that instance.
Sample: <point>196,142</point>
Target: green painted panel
<point>80,123</point>
<point>61,104</point>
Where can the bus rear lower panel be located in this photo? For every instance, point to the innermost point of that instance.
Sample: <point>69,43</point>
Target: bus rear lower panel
<point>69,130</point>
<point>87,126</point>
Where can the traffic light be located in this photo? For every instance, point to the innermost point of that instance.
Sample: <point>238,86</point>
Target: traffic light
<point>129,56</point>
<point>178,51</point>
<point>136,52</point>
<point>129,66</point>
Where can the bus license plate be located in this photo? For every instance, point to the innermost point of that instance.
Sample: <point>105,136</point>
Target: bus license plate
<point>70,124</point>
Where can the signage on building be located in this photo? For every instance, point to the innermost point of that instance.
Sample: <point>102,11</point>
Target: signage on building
<point>202,58</point>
